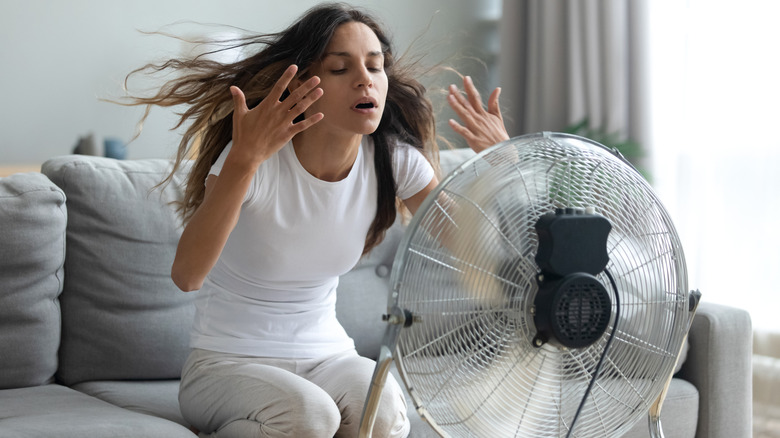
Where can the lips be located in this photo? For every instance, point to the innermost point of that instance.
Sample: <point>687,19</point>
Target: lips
<point>365,104</point>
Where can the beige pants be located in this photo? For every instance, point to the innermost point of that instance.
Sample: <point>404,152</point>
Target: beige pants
<point>226,396</point>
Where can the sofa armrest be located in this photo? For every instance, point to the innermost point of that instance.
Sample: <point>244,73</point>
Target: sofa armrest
<point>719,364</point>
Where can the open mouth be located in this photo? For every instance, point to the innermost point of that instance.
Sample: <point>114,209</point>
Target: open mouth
<point>365,103</point>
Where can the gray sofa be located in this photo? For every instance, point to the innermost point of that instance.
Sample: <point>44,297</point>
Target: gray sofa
<point>93,333</point>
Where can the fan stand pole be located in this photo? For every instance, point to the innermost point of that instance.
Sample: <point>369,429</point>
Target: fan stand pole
<point>654,416</point>
<point>396,322</point>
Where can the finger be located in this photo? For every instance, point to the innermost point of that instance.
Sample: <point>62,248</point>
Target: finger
<point>304,103</point>
<point>283,82</point>
<point>304,91</point>
<point>493,106</point>
<point>472,93</point>
<point>457,95</point>
<point>467,107</point>
<point>460,129</point>
<point>239,101</point>
<point>460,105</point>
<point>306,123</point>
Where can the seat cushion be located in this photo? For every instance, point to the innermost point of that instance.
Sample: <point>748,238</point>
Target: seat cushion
<point>122,316</point>
<point>159,398</point>
<point>32,231</point>
<point>57,411</point>
<point>679,415</point>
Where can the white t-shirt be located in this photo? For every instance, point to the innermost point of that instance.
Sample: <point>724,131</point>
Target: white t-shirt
<point>272,293</point>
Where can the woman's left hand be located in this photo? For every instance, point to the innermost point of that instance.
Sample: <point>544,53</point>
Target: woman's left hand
<point>480,128</point>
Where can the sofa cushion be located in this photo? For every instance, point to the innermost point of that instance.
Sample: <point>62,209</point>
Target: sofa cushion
<point>679,414</point>
<point>159,398</point>
<point>57,411</point>
<point>122,316</point>
<point>32,252</point>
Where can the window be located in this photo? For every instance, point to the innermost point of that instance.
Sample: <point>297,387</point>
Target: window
<point>716,155</point>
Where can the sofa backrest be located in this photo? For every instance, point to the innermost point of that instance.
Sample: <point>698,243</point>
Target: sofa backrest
<point>32,253</point>
<point>122,316</point>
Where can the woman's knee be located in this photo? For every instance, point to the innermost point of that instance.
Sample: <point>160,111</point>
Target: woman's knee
<point>270,401</point>
<point>392,420</point>
<point>296,415</point>
<point>313,415</point>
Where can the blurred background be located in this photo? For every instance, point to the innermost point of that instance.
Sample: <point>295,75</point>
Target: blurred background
<point>689,90</point>
<point>60,57</point>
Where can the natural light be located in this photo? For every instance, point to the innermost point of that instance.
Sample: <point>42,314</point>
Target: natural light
<point>716,155</point>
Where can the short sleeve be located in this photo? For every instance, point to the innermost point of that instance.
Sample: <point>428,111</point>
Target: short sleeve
<point>216,168</point>
<point>412,171</point>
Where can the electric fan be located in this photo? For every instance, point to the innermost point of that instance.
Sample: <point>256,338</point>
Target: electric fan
<point>539,291</point>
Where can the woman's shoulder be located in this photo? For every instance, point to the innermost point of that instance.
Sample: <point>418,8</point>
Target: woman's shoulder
<point>271,162</point>
<point>406,155</point>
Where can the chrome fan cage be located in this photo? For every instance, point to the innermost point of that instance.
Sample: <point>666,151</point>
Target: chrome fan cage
<point>465,273</point>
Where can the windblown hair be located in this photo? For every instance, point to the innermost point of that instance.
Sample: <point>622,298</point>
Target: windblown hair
<point>202,85</point>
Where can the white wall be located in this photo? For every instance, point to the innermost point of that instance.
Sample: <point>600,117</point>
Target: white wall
<point>60,57</point>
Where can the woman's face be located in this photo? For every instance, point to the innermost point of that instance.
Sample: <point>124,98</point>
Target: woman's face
<point>353,79</point>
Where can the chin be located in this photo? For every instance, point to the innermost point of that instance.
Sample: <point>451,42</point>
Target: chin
<point>367,129</point>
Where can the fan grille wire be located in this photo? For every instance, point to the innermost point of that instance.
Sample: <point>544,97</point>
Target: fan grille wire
<point>468,273</point>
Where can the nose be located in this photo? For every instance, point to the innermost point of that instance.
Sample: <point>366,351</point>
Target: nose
<point>364,78</point>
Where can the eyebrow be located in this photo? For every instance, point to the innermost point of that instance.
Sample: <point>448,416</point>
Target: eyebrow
<point>371,54</point>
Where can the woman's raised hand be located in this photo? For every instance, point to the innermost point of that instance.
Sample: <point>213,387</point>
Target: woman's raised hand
<point>260,132</point>
<point>480,128</point>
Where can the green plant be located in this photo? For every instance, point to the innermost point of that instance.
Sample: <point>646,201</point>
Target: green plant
<point>630,149</point>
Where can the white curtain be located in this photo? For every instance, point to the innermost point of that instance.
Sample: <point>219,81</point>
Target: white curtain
<point>563,61</point>
<point>716,105</point>
<point>715,108</point>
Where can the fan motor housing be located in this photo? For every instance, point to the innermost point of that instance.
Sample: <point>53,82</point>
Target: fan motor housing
<point>572,308</point>
<point>572,241</point>
<point>572,312</point>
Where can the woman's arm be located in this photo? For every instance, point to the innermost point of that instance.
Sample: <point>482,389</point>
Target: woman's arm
<point>416,200</point>
<point>257,135</point>
<point>207,231</point>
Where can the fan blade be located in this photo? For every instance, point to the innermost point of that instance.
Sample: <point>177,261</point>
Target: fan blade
<point>396,322</point>
<point>654,417</point>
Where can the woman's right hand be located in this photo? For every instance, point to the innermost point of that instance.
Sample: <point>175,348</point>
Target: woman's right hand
<point>257,134</point>
<point>260,132</point>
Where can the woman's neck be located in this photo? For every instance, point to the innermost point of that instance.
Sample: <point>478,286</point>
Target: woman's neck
<point>327,157</point>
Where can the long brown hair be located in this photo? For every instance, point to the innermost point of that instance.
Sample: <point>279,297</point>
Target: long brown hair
<point>202,86</point>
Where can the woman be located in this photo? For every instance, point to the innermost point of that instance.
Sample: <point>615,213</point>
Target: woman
<point>301,180</point>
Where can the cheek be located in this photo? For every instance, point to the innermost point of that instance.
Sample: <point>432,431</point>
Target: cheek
<point>382,86</point>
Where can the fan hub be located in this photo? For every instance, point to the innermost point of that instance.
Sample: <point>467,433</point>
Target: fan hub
<point>572,312</point>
